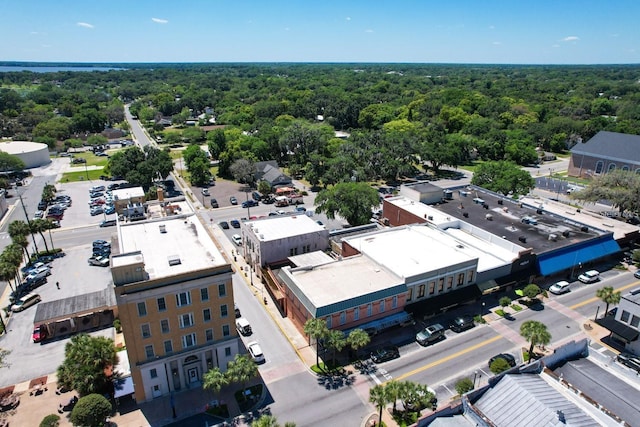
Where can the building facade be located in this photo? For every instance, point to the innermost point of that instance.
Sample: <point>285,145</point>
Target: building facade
<point>605,152</point>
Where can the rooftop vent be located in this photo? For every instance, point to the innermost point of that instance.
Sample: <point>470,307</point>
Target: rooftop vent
<point>163,228</point>
<point>174,260</point>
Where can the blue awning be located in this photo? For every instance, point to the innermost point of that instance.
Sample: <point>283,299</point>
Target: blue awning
<point>123,387</point>
<point>566,258</point>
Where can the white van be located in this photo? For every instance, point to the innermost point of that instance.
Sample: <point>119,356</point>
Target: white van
<point>25,302</point>
<point>243,326</point>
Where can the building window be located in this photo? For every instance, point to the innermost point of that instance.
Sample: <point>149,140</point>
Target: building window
<point>381,306</point>
<point>356,313</point>
<point>441,284</point>
<point>153,373</point>
<point>186,320</point>
<point>635,320</point>
<point>394,302</point>
<point>168,347</point>
<point>206,314</point>
<point>599,167</point>
<point>142,309</point>
<point>164,326</point>
<point>432,288</point>
<point>343,317</point>
<point>421,291</point>
<point>183,298</point>
<point>291,252</point>
<point>470,277</point>
<point>224,312</point>
<point>189,340</point>
<point>146,330</point>
<point>204,294</point>
<point>208,335</point>
<point>226,331</point>
<point>227,351</point>
<point>625,316</point>
<point>612,167</point>
<point>449,282</point>
<point>148,351</point>
<point>410,294</point>
<point>460,279</point>
<point>369,310</point>
<point>222,290</point>
<point>162,304</point>
<point>329,321</point>
<point>625,168</point>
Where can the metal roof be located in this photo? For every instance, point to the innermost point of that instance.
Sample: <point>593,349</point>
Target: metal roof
<point>75,305</point>
<point>611,145</point>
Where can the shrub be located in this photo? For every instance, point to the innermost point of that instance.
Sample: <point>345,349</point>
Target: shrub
<point>531,290</point>
<point>499,365</point>
<point>91,411</point>
<point>51,420</point>
<point>117,325</point>
<point>504,301</point>
<point>464,385</point>
<point>500,312</point>
<point>479,319</point>
<point>516,307</point>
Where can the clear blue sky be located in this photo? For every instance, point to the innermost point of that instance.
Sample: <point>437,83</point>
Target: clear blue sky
<point>422,31</point>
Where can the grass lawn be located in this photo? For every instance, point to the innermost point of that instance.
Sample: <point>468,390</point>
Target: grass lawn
<point>78,176</point>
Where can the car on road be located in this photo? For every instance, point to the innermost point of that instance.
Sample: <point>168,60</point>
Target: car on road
<point>300,209</point>
<point>235,223</point>
<point>224,225</point>
<point>237,239</point>
<point>637,274</point>
<point>233,200</point>
<point>560,287</point>
<point>590,276</point>
<point>504,356</point>
<point>249,204</point>
<point>205,192</point>
<point>384,354</point>
<point>255,352</point>
<point>462,323</point>
<point>100,261</point>
<point>430,334</point>
<point>630,361</point>
<point>108,223</point>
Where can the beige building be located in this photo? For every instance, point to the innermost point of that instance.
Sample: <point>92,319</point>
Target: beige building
<point>175,300</point>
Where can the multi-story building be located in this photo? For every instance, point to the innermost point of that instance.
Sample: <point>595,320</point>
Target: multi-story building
<point>175,299</point>
<point>625,324</point>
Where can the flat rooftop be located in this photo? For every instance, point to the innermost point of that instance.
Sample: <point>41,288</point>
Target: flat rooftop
<point>283,226</point>
<point>506,219</point>
<point>127,193</point>
<point>412,250</point>
<point>170,246</point>
<point>342,280</point>
<point>633,295</point>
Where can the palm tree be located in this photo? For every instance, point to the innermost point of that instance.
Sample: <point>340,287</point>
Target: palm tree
<point>241,369</point>
<point>608,296</point>
<point>393,389</point>
<point>536,333</point>
<point>378,396</point>
<point>7,272</point>
<point>39,225</point>
<point>336,342</point>
<point>270,421</point>
<point>358,339</point>
<point>18,231</point>
<point>214,380</point>
<point>316,329</point>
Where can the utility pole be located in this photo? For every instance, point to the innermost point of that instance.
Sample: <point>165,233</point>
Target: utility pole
<point>26,215</point>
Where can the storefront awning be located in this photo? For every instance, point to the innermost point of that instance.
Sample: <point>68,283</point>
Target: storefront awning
<point>575,255</point>
<point>622,330</point>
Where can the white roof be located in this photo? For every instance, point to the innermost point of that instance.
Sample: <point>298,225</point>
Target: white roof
<point>184,247</point>
<point>127,193</point>
<point>19,147</point>
<point>283,226</point>
<point>412,250</point>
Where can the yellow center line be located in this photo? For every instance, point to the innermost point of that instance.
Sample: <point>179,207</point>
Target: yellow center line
<point>593,299</point>
<point>447,358</point>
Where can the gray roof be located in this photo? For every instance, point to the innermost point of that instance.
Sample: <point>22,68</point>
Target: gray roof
<point>612,145</point>
<point>75,305</point>
<point>528,400</point>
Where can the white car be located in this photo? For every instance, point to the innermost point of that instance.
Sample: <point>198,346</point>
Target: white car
<point>589,276</point>
<point>256,352</point>
<point>559,287</point>
<point>237,239</point>
<point>100,261</point>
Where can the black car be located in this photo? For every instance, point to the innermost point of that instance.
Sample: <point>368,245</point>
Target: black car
<point>224,225</point>
<point>385,353</point>
<point>249,204</point>
<point>42,205</point>
<point>214,203</point>
<point>462,323</point>
<point>108,223</point>
<point>504,356</point>
<point>256,196</point>
<point>235,223</point>
<point>630,361</point>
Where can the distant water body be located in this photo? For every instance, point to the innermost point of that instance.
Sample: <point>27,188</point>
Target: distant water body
<point>9,69</point>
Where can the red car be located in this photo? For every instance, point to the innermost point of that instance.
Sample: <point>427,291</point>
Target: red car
<point>38,334</point>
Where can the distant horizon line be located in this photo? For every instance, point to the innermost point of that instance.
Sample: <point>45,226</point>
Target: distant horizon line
<point>89,63</point>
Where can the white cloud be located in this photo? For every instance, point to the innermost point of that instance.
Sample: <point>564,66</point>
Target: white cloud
<point>348,18</point>
<point>571,39</point>
<point>159,21</point>
<point>368,31</point>
<point>497,43</point>
<point>85,25</point>
<point>492,27</point>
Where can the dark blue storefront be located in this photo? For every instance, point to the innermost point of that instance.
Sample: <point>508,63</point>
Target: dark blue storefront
<point>568,257</point>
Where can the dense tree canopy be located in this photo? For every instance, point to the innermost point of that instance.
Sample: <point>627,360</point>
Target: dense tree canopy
<point>141,167</point>
<point>503,177</point>
<point>353,201</point>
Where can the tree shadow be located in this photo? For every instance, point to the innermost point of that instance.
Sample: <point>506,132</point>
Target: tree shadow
<point>336,380</point>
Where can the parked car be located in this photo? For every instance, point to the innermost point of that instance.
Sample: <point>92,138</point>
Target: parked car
<point>255,352</point>
<point>205,192</point>
<point>237,310</point>
<point>39,334</point>
<point>636,274</point>
<point>233,200</point>
<point>97,188</point>
<point>589,276</point>
<point>504,356</point>
<point>214,203</point>
<point>96,194</point>
<point>237,239</point>
<point>96,210</point>
<point>243,326</point>
<point>38,214</point>
<point>108,223</point>
<point>256,196</point>
<point>430,334</point>
<point>224,225</point>
<point>109,210</point>
<point>560,287</point>
<point>629,360</point>
<point>235,223</point>
<point>249,204</point>
<point>67,406</point>
<point>42,205</point>
<point>25,302</point>
<point>100,243</point>
<point>384,354</point>
<point>462,323</point>
<point>38,273</point>
<point>100,261</point>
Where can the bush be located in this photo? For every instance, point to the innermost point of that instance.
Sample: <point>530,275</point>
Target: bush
<point>531,290</point>
<point>499,365</point>
<point>516,307</point>
<point>117,325</point>
<point>479,319</point>
<point>500,312</point>
<point>52,420</point>
<point>504,301</point>
<point>464,385</point>
<point>91,411</point>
